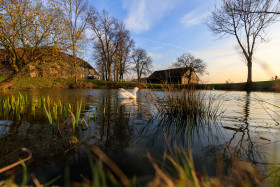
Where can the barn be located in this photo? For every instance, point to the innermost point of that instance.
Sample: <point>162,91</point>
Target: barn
<point>173,76</point>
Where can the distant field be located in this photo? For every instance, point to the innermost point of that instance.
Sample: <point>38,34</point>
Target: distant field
<point>271,86</point>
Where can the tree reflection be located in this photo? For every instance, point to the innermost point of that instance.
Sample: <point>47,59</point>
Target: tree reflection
<point>114,122</point>
<point>241,147</point>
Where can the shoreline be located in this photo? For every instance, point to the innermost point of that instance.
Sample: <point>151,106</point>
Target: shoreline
<point>55,82</point>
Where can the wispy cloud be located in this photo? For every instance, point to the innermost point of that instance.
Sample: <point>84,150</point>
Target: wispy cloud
<point>194,17</point>
<point>163,43</point>
<point>155,56</point>
<point>157,67</point>
<point>142,14</point>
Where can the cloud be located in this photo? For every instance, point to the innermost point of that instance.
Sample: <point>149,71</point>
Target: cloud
<point>162,44</point>
<point>157,67</point>
<point>155,56</point>
<point>194,17</point>
<point>143,14</point>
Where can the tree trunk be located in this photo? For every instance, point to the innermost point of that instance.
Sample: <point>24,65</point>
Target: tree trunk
<point>75,63</point>
<point>249,64</point>
<point>138,76</point>
<point>110,73</point>
<point>249,78</point>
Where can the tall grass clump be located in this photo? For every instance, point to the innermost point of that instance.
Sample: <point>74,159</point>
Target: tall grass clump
<point>15,106</point>
<point>185,103</point>
<point>72,117</point>
<point>176,169</point>
<point>77,121</point>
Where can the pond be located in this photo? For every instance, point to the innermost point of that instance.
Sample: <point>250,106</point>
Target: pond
<point>247,128</point>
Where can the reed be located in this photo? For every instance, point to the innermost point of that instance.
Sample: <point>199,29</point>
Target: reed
<point>98,174</point>
<point>24,177</point>
<point>49,115</point>
<point>185,103</point>
<point>15,106</point>
<point>77,121</point>
<point>177,170</point>
<point>88,118</point>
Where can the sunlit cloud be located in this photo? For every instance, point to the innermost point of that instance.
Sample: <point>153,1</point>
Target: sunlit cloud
<point>143,14</point>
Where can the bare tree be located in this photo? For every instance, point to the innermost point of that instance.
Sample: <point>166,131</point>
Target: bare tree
<point>75,17</point>
<point>142,62</point>
<point>247,28</point>
<point>112,45</point>
<point>124,46</point>
<point>26,28</point>
<point>105,45</point>
<point>189,62</point>
<point>274,9</point>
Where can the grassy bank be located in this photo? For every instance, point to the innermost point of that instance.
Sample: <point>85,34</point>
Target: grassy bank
<point>269,86</point>
<point>55,82</point>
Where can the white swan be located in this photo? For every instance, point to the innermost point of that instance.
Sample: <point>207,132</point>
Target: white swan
<point>126,94</point>
<point>128,102</point>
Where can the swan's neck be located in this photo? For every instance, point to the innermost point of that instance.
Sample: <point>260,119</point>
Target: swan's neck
<point>134,91</point>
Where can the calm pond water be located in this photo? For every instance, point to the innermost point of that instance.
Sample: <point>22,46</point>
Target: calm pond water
<point>248,130</point>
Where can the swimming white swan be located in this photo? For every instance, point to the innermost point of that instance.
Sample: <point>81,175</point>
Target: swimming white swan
<point>129,102</point>
<point>126,94</point>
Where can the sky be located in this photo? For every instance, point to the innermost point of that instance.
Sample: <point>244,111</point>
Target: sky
<point>168,28</point>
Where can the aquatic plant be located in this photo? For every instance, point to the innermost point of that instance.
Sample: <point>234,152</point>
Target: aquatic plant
<point>88,118</point>
<point>106,176</point>
<point>76,119</point>
<point>15,106</point>
<point>48,113</point>
<point>185,103</point>
<point>175,170</point>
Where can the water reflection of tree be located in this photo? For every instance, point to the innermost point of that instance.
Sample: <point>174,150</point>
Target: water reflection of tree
<point>241,146</point>
<point>114,128</point>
